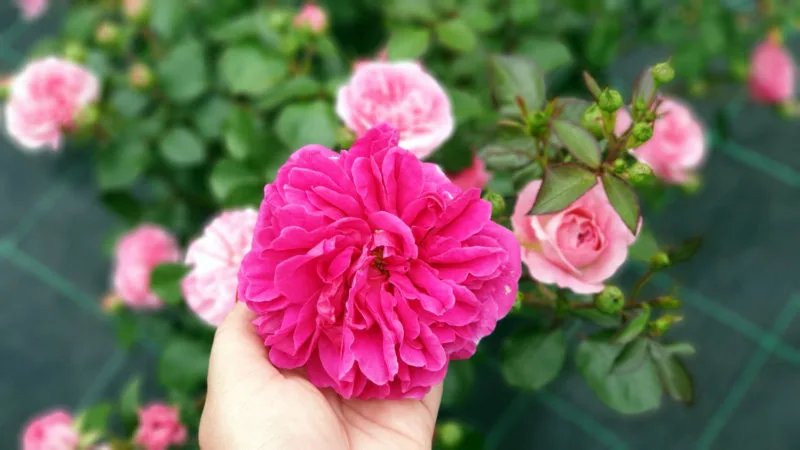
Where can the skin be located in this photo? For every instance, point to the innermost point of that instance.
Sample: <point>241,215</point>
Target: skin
<point>253,405</point>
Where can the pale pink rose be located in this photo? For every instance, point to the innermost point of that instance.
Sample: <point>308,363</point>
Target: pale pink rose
<point>136,255</point>
<point>772,73</point>
<point>44,100</point>
<point>677,148</point>
<point>32,9</point>
<point>577,248</point>
<point>311,17</point>
<point>160,427</point>
<point>474,176</point>
<point>401,94</point>
<point>53,430</point>
<point>133,8</point>
<point>215,257</point>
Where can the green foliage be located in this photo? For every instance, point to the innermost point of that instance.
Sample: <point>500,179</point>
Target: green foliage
<point>562,185</point>
<point>532,360</point>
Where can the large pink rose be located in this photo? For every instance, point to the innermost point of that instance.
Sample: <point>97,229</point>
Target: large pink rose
<point>474,176</point>
<point>311,17</point>
<point>215,257</point>
<point>772,73</point>
<point>44,100</point>
<point>32,9</point>
<point>136,255</point>
<point>371,270</point>
<point>53,430</point>
<point>577,248</point>
<point>677,148</point>
<point>401,94</point>
<point>159,428</point>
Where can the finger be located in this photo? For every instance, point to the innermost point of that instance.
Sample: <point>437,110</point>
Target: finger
<point>433,399</point>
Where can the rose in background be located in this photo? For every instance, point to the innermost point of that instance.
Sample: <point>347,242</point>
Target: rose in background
<point>53,430</point>
<point>311,17</point>
<point>159,427</point>
<point>32,9</point>
<point>677,147</point>
<point>772,73</point>
<point>137,253</point>
<point>474,176</point>
<point>215,257</point>
<point>45,100</point>
<point>401,94</point>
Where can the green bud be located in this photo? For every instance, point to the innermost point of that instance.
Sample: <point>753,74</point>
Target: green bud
<point>668,302</point>
<point>592,120</point>
<point>663,73</point>
<point>497,201</point>
<point>5,88</point>
<point>537,124</point>
<point>345,137</point>
<point>450,434</point>
<point>650,116</point>
<point>610,100</point>
<point>75,51</point>
<point>660,261</point>
<point>642,132</point>
<point>610,301</point>
<point>140,76</point>
<point>639,173</point>
<point>518,301</point>
<point>107,33</point>
<point>664,323</point>
<point>639,105</point>
<point>692,184</point>
<point>87,117</point>
<point>620,165</point>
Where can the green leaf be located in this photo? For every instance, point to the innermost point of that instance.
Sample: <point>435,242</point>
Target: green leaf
<point>466,105</point>
<point>602,44</point>
<point>98,63</point>
<point>165,282</point>
<point>579,142</point>
<point>183,72</point>
<point>570,108</point>
<point>680,348</point>
<point>118,168</point>
<point>631,358</point>
<point>301,124</point>
<point>167,16</point>
<point>182,148</point>
<point>236,29</point>
<point>94,419</point>
<point>211,116</point>
<point>517,76</point>
<point>531,361</point>
<point>459,382</point>
<point>549,54</point>
<point>635,326</point>
<point>597,317</point>
<point>123,204</point>
<point>407,43</point>
<point>241,133</point>
<point>409,10</point>
<point>524,176</point>
<point>296,87</point>
<point>686,250</point>
<point>562,185</point>
<point>228,175</point>
<point>81,21</point>
<point>245,196</point>
<point>592,85</point>
<point>644,247</point>
<point>128,102</point>
<point>508,154</point>
<point>126,329</point>
<point>645,87</point>
<point>479,18</point>
<point>248,70</point>
<point>623,199</point>
<point>675,378</point>
<point>183,365</point>
<point>456,35</point>
<point>129,401</point>
<point>524,11</point>
<point>630,393</point>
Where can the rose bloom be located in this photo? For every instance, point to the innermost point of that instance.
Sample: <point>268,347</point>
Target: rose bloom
<point>772,73</point>
<point>32,9</point>
<point>311,17</point>
<point>474,176</point>
<point>577,248</point>
<point>401,94</point>
<point>159,428</point>
<point>677,148</point>
<point>372,270</point>
<point>53,430</point>
<point>210,288</point>
<point>136,255</point>
<point>44,100</point>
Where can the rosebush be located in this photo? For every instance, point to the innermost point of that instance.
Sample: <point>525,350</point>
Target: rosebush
<point>189,109</point>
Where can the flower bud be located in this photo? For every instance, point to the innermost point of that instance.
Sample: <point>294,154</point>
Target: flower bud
<point>111,303</point>
<point>518,302</point>
<point>75,51</point>
<point>664,323</point>
<point>650,116</point>
<point>592,120</point>
<point>639,105</point>
<point>610,301</point>
<point>450,434</point>
<point>497,201</point>
<point>692,184</point>
<point>667,302</point>
<point>659,261</point>
<point>537,124</point>
<point>620,165</point>
<point>663,73</point>
<point>345,137</point>
<point>87,117</point>
<point>610,100</point>
<point>642,132</point>
<point>5,87</point>
<point>639,173</point>
<point>107,33</point>
<point>140,76</point>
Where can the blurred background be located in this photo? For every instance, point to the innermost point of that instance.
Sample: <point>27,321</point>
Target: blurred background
<point>741,292</point>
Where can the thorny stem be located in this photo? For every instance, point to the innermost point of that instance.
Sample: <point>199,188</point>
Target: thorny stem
<point>640,284</point>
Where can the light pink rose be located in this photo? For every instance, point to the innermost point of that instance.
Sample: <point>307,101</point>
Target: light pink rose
<point>772,73</point>
<point>474,176</point>
<point>677,148</point>
<point>210,288</point>
<point>311,17</point>
<point>160,427</point>
<point>44,100</point>
<point>401,94</point>
<point>577,248</point>
<point>32,9</point>
<point>53,430</point>
<point>136,255</point>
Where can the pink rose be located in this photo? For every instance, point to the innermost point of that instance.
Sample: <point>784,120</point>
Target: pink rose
<point>371,270</point>
<point>677,147</point>
<point>311,17</point>
<point>53,430</point>
<point>577,248</point>
<point>32,9</point>
<point>160,427</point>
<point>136,255</point>
<point>771,73</point>
<point>44,100</point>
<point>401,94</point>
<point>210,288</point>
<point>474,176</point>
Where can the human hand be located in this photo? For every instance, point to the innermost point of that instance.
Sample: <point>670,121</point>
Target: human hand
<point>253,405</point>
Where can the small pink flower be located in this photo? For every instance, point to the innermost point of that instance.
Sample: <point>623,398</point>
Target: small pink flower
<point>210,288</point>
<point>160,427</point>
<point>577,248</point>
<point>372,270</point>
<point>401,94</point>
<point>474,176</point>
<point>136,255</point>
<point>44,100</point>
<point>311,17</point>
<point>772,73</point>
<point>677,147</point>
<point>53,430</point>
<point>32,9</point>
